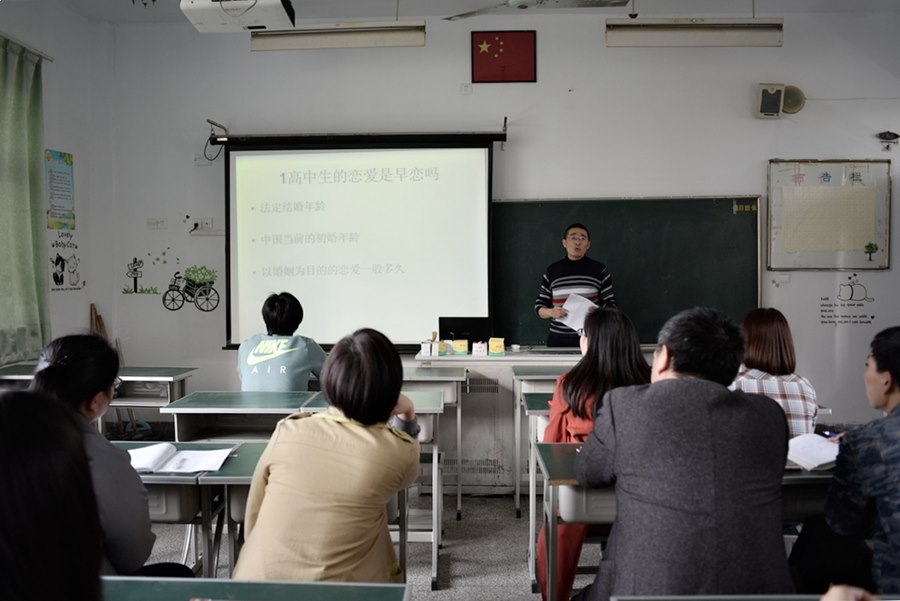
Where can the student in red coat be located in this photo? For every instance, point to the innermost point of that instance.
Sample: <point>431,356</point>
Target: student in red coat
<point>611,357</point>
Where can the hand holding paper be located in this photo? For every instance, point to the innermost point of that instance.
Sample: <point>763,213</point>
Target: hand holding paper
<point>577,308</point>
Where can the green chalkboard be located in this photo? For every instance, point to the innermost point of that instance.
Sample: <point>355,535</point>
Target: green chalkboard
<point>664,255</point>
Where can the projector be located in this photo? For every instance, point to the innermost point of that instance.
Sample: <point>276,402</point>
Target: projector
<point>210,16</point>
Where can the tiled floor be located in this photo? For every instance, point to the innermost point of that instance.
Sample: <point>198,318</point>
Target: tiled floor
<point>483,555</point>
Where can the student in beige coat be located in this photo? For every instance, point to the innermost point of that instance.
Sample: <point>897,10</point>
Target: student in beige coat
<point>318,499</point>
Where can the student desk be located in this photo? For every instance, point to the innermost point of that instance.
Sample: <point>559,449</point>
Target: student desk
<point>236,415</point>
<point>141,386</point>
<point>248,416</point>
<point>529,378</point>
<point>176,498</point>
<point>574,504</point>
<point>535,405</point>
<point>448,380</point>
<point>118,588</point>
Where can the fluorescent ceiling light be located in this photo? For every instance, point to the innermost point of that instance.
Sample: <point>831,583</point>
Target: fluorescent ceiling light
<point>341,35</point>
<point>694,32</point>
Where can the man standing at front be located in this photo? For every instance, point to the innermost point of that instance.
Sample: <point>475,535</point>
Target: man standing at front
<point>576,273</point>
<point>697,471</point>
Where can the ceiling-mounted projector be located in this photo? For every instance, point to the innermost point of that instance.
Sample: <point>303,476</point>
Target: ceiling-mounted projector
<point>210,16</point>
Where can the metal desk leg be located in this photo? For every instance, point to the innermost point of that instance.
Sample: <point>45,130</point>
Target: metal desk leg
<point>550,521</point>
<point>436,503</point>
<point>517,420</point>
<point>403,535</point>
<point>532,503</point>
<point>189,546</point>
<point>458,451</point>
<point>211,537</point>
<point>205,527</point>
<point>233,533</point>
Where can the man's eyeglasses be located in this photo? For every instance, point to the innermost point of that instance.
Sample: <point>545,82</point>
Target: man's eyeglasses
<point>116,383</point>
<point>577,238</point>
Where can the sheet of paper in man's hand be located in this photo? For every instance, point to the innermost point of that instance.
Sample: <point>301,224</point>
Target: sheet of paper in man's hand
<point>577,307</point>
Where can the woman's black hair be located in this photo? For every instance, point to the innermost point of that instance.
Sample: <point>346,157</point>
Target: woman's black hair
<point>362,376</point>
<point>50,536</point>
<point>613,359</point>
<point>75,368</point>
<point>885,348</point>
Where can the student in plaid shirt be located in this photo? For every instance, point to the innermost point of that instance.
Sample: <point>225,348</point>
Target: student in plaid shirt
<point>768,369</point>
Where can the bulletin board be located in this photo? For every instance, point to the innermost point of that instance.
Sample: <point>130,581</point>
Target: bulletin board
<point>829,214</point>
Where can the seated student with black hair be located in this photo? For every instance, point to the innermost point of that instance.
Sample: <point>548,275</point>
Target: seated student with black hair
<point>317,507</point>
<point>864,498</point>
<point>697,471</point>
<point>50,539</point>
<point>82,371</point>
<point>279,361</point>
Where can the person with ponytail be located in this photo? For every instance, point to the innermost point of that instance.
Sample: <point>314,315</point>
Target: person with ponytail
<point>611,357</point>
<point>81,370</point>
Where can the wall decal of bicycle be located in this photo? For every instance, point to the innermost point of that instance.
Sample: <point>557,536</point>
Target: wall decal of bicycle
<point>195,286</point>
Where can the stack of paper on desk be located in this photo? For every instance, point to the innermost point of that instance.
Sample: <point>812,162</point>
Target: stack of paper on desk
<point>812,452</point>
<point>164,457</point>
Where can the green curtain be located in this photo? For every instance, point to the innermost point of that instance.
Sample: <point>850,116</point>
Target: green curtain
<point>24,267</point>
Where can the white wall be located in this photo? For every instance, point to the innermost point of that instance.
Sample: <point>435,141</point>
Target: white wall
<point>599,122</point>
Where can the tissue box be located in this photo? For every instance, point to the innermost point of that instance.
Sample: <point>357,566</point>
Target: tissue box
<point>460,347</point>
<point>495,347</point>
<point>479,349</point>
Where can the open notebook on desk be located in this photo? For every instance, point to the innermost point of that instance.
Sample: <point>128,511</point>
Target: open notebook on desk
<point>164,457</point>
<point>812,452</point>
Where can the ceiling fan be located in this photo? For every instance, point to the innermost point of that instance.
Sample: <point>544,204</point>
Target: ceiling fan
<point>538,4</point>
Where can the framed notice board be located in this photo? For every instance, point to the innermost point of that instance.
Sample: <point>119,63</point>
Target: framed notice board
<point>831,214</point>
<point>664,255</point>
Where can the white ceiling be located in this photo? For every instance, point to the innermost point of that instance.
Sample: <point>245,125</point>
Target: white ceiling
<point>168,11</point>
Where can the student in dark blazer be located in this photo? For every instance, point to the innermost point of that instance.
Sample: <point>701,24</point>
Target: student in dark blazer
<point>697,471</point>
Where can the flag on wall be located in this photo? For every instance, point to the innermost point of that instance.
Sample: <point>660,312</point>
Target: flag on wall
<point>499,56</point>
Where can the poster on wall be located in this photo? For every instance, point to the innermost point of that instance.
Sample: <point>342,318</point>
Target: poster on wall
<point>59,188</point>
<point>831,214</point>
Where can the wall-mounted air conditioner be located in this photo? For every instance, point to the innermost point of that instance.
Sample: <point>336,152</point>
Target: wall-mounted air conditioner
<point>239,15</point>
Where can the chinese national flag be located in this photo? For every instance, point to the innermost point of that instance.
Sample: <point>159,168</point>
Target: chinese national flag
<point>503,56</point>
